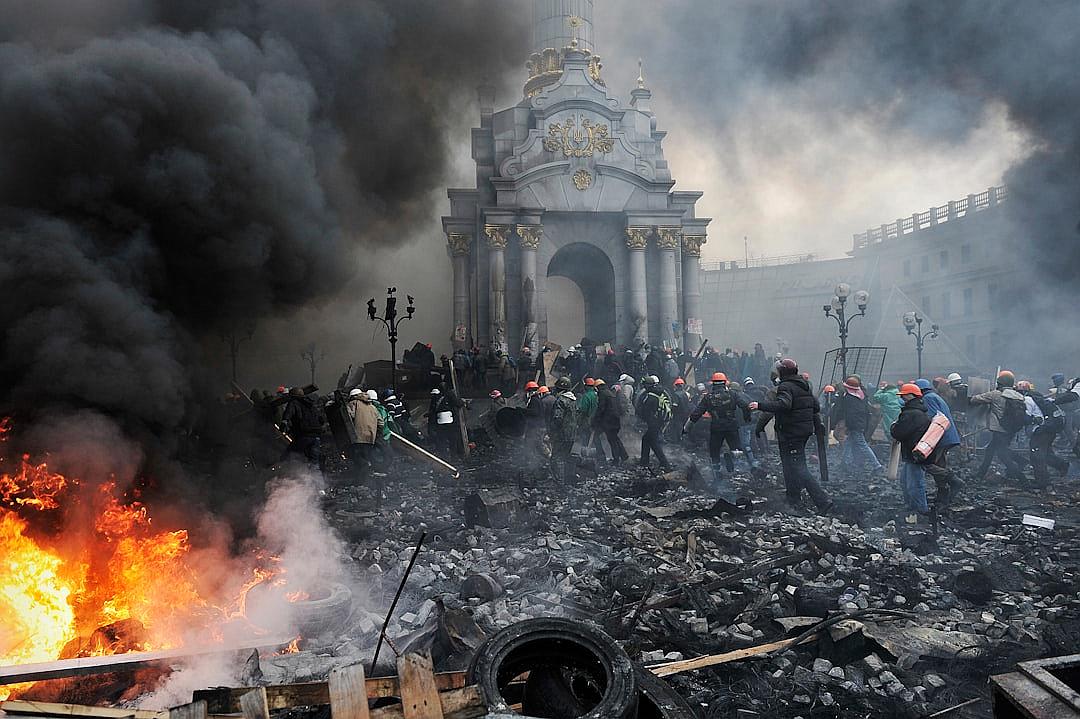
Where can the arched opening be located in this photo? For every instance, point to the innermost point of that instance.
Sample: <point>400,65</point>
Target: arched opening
<point>590,311</point>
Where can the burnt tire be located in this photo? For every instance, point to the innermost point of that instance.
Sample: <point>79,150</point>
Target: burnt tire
<point>657,700</point>
<point>580,670</point>
<point>312,617</point>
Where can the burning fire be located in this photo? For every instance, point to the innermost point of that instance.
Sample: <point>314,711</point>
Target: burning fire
<point>56,600</point>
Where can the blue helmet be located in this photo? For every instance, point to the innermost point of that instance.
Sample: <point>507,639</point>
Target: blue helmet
<point>923,384</point>
<point>1058,379</point>
<point>388,393</point>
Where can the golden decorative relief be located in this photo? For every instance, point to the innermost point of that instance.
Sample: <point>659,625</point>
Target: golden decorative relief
<point>637,238</point>
<point>530,236</point>
<point>667,238</point>
<point>496,235</point>
<point>579,138</point>
<point>459,243</point>
<point>582,179</point>
<point>691,245</point>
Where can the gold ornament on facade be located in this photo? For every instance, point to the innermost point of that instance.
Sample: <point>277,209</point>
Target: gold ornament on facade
<point>582,179</point>
<point>691,245</point>
<point>637,238</point>
<point>530,236</point>
<point>579,138</point>
<point>667,238</point>
<point>459,243</point>
<point>496,235</point>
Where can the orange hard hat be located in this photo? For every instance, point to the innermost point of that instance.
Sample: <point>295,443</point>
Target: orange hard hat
<point>678,381</point>
<point>531,385</point>
<point>590,382</point>
<point>719,377</point>
<point>829,389</point>
<point>543,389</point>
<point>911,389</point>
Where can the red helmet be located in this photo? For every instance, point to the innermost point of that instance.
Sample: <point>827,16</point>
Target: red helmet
<point>531,385</point>
<point>719,377</point>
<point>912,389</point>
<point>678,381</point>
<point>829,389</point>
<point>543,389</point>
<point>590,382</point>
<point>786,367</point>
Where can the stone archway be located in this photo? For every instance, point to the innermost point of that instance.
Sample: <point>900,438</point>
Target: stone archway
<point>588,267</point>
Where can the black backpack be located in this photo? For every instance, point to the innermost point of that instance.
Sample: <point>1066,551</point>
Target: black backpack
<point>1013,415</point>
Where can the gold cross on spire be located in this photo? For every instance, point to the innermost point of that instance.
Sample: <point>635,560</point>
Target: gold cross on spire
<point>575,23</point>
<point>640,74</point>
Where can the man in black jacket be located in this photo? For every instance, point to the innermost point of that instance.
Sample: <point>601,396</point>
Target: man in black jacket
<point>797,416</point>
<point>303,423</point>
<point>606,421</point>
<point>654,408</point>
<point>853,409</point>
<point>723,406</point>
<point>1045,432</point>
<point>908,429</point>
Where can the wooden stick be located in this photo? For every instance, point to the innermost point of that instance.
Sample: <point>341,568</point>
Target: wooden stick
<point>253,704</point>
<point>419,695</point>
<point>460,411</point>
<point>18,673</point>
<point>422,454</point>
<point>951,709</point>
<point>464,703</point>
<point>18,706</point>
<point>686,665</point>
<point>348,693</point>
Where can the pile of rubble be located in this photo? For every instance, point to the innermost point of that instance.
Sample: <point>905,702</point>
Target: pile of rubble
<point>665,570</point>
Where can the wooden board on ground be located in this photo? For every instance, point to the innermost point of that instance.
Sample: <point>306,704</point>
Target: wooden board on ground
<point>417,452</point>
<point>464,703</point>
<point>686,665</point>
<point>550,356</point>
<point>54,709</point>
<point>253,704</point>
<point>194,710</point>
<point>19,673</point>
<point>348,693</point>
<point>419,693</point>
<point>281,696</point>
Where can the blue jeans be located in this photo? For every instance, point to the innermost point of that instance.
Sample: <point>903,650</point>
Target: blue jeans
<point>913,482</point>
<point>745,434</point>
<point>857,451</point>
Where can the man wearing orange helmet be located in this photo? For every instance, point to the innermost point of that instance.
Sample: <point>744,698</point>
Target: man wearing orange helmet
<point>723,405</point>
<point>680,407</point>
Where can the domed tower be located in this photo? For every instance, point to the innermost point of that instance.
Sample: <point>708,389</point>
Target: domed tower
<point>559,26</point>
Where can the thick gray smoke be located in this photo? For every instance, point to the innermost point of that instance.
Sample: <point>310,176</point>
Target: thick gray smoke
<point>895,69</point>
<point>172,171</point>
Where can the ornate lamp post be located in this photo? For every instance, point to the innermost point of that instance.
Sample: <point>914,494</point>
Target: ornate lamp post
<point>391,320</point>
<point>837,310</point>
<point>913,325</point>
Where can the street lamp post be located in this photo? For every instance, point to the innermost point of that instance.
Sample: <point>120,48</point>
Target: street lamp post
<point>837,310</point>
<point>391,320</point>
<point>913,325</point>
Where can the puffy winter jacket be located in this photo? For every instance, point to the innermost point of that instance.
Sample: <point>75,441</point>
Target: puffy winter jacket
<point>935,403</point>
<point>996,399</point>
<point>724,407</point>
<point>607,416</point>
<point>910,427</point>
<point>854,411</point>
<point>795,409</point>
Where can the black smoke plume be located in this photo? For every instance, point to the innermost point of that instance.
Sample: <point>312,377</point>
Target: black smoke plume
<point>172,171</point>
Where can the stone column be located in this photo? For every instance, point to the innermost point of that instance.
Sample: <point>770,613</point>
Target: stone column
<point>496,235</point>
<point>459,251</point>
<point>691,291</point>
<point>530,242</point>
<point>667,239</point>
<point>637,238</point>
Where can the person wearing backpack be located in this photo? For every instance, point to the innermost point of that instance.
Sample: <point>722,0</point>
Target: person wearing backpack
<point>562,429</point>
<point>302,421</point>
<point>724,407</point>
<point>1007,416</point>
<point>1049,421</point>
<point>654,408</point>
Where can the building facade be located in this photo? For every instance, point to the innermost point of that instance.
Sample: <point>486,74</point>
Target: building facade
<point>572,182</point>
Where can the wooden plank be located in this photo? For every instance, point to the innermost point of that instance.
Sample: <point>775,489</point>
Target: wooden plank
<point>418,452</point>
<point>25,708</point>
<point>253,704</point>
<point>460,411</point>
<point>283,696</point>
<point>348,693</point>
<point>194,710</point>
<point>1024,696</point>
<point>18,673</point>
<point>464,703</point>
<point>686,665</point>
<point>419,694</point>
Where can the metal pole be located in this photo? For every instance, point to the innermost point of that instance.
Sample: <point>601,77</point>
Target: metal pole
<point>393,359</point>
<point>843,342</point>
<point>919,342</point>
<point>397,596</point>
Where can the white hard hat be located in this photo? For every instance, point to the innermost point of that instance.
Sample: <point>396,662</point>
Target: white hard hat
<point>654,379</point>
<point>748,380</point>
<point>373,395</point>
<point>435,391</point>
<point>954,377</point>
<point>356,392</point>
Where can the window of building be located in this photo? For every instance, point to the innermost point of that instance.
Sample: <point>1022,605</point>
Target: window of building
<point>971,347</point>
<point>907,268</point>
<point>926,305</point>
<point>946,305</point>
<point>943,259</point>
<point>926,263</point>
<point>965,253</point>
<point>969,301</point>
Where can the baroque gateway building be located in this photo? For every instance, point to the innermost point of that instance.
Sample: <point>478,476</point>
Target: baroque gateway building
<point>572,183</point>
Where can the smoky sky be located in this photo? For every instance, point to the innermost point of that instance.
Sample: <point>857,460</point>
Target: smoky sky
<point>175,171</point>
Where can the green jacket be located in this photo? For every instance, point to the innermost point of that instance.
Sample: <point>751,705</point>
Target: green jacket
<point>889,401</point>
<point>586,404</point>
<point>387,423</point>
